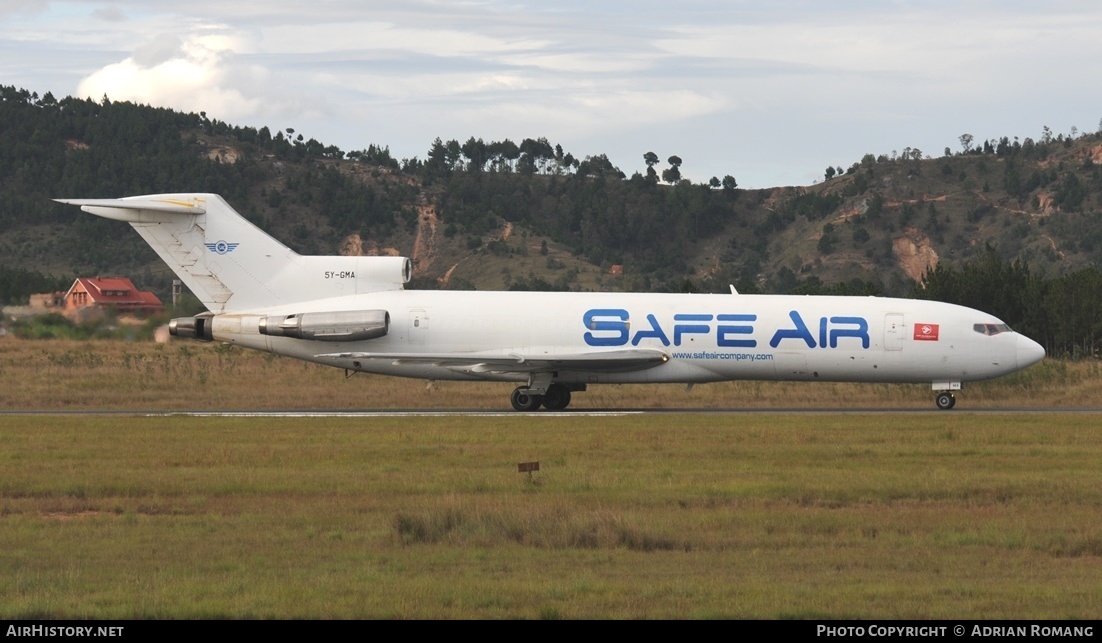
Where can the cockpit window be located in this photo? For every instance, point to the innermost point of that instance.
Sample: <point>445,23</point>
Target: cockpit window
<point>991,329</point>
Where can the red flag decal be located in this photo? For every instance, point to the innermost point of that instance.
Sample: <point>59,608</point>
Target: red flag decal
<point>926,332</point>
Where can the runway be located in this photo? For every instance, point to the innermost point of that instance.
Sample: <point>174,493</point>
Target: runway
<point>436,413</point>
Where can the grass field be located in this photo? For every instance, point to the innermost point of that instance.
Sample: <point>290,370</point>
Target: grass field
<point>758,516</point>
<point>639,516</point>
<point>69,375</point>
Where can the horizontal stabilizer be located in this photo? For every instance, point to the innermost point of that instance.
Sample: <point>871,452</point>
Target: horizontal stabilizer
<point>153,205</point>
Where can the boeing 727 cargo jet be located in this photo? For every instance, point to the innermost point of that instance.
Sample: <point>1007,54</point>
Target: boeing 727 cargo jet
<point>354,313</point>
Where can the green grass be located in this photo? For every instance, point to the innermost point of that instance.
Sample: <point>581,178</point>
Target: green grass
<point>640,516</point>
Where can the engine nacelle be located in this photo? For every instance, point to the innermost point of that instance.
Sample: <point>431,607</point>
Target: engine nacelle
<point>337,276</point>
<point>342,326</point>
<point>197,327</point>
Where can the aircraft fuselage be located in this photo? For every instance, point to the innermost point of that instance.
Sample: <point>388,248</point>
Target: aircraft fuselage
<point>707,337</point>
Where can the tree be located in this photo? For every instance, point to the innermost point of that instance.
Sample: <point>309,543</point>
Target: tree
<point>829,172</point>
<point>437,158</point>
<point>452,153</point>
<point>651,159</point>
<point>673,174</point>
<point>475,151</point>
<point>534,155</point>
<point>510,152</point>
<point>598,165</point>
<point>966,142</point>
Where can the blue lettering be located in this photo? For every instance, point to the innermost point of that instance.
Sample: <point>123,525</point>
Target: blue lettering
<point>800,332</point>
<point>606,320</point>
<point>682,329</point>
<point>861,332</point>
<point>611,327</point>
<point>655,332</point>
<point>722,331</point>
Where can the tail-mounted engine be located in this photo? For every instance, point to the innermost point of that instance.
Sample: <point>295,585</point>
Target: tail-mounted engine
<point>343,326</point>
<point>197,327</point>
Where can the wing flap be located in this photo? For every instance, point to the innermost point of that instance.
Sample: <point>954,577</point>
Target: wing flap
<point>615,361</point>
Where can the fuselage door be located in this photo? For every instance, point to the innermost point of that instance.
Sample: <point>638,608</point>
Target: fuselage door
<point>418,326</point>
<point>893,331</point>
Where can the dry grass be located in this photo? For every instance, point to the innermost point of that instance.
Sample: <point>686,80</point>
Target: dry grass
<point>64,374</point>
<point>940,515</point>
<point>679,516</point>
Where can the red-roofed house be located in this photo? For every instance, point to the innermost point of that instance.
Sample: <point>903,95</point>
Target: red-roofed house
<point>110,292</point>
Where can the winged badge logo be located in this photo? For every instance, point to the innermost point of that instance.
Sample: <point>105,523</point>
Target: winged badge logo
<point>221,247</point>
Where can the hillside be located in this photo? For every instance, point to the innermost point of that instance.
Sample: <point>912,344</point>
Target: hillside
<point>500,215</point>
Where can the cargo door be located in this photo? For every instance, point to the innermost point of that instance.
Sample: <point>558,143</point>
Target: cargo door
<point>418,326</point>
<point>893,331</point>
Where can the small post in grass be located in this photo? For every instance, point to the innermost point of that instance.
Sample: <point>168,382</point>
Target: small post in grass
<point>528,467</point>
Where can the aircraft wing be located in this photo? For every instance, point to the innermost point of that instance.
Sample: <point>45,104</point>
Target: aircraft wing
<point>612,361</point>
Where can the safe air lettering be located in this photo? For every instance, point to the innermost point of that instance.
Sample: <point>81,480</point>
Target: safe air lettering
<point>612,327</point>
<point>829,331</point>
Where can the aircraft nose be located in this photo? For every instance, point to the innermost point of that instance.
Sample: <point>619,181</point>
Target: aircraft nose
<point>1029,351</point>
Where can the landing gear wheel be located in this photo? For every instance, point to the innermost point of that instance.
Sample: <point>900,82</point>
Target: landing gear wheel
<point>945,400</point>
<point>556,398</point>
<point>524,401</point>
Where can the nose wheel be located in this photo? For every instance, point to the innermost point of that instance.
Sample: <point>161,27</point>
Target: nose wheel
<point>945,400</point>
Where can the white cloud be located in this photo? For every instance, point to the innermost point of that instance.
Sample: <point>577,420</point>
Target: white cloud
<point>25,7</point>
<point>583,63</point>
<point>110,13</point>
<point>383,36</point>
<point>192,73</point>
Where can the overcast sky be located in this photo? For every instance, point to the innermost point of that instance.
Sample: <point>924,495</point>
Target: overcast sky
<point>768,92</point>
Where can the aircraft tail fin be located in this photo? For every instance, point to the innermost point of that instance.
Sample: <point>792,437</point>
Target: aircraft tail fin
<point>232,265</point>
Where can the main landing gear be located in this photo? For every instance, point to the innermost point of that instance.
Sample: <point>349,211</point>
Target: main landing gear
<point>556,398</point>
<point>945,400</point>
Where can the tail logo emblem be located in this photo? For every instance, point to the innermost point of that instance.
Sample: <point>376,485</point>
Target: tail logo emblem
<point>221,247</point>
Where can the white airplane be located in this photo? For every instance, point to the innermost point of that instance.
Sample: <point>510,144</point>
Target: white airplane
<point>353,313</point>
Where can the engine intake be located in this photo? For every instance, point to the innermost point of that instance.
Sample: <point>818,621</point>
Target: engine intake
<point>197,327</point>
<point>342,326</point>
